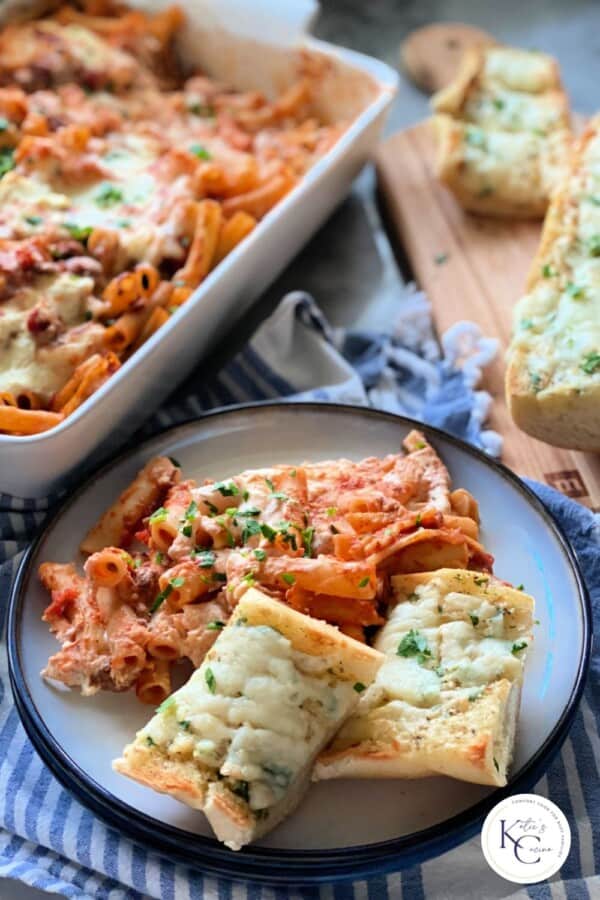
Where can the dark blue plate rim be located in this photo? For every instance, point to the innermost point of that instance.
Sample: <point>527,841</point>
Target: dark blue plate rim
<point>267,865</point>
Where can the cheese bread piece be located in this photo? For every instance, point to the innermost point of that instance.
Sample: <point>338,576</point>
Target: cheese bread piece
<point>446,700</point>
<point>238,741</point>
<point>553,373</point>
<point>499,173</point>
<point>505,72</point>
<point>503,132</point>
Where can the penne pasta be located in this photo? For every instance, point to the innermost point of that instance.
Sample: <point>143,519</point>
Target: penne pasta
<point>107,567</point>
<point>154,683</point>
<point>27,421</point>
<point>232,232</point>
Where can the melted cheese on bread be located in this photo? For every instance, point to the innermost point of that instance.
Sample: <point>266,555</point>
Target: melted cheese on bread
<point>502,131</point>
<point>553,375</point>
<point>446,699</point>
<point>239,739</point>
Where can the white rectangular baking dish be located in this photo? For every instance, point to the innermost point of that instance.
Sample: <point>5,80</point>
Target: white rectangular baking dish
<point>353,87</point>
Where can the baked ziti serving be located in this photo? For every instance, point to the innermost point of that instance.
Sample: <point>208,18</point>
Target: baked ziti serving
<point>168,563</point>
<point>123,182</point>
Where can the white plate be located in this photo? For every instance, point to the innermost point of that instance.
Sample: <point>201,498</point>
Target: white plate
<point>386,824</point>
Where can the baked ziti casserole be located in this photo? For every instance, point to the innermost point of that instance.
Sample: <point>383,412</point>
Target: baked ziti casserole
<point>123,182</point>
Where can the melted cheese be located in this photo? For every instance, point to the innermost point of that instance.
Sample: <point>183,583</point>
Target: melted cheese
<point>255,712</point>
<point>504,110</point>
<point>24,366</point>
<point>557,325</point>
<point>519,70</point>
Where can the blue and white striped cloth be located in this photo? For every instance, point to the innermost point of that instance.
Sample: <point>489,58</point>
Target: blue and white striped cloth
<point>47,839</point>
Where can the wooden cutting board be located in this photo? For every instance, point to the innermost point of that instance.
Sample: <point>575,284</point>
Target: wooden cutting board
<point>473,268</point>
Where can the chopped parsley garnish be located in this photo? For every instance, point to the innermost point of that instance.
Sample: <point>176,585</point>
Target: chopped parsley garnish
<point>475,695</point>
<point>475,138</point>
<point>79,232</point>
<point>474,619</point>
<point>200,151</point>
<point>249,579</point>
<point>166,704</point>
<point>359,687</point>
<point>219,576</point>
<point>293,473</point>
<point>205,558</point>
<point>159,515</point>
<point>420,445</point>
<point>4,123</point>
<point>418,520</point>
<point>440,258</point>
<point>288,578</point>
<point>7,161</point>
<point>594,245</point>
<point>414,644</point>
<point>526,324</point>
<point>186,530</point>
<point>520,587</point>
<point>249,511</point>
<point>332,511</point>
<point>591,363</point>
<point>202,109</point>
<point>270,484</point>
<point>185,724</point>
<point>412,597</point>
<point>150,741</point>
<point>498,103</point>
<point>250,529</point>
<point>547,271</point>
<point>210,680</point>
<point>159,558</point>
<point>33,220</point>
<point>518,646</point>
<point>574,290</point>
<point>535,381</point>
<point>168,590</point>
<point>307,539</point>
<point>260,555</point>
<point>191,512</point>
<point>227,490</point>
<point>245,495</point>
<point>213,510</point>
<point>267,532</point>
<point>497,767</point>
<point>217,625</point>
<point>481,580</point>
<point>363,582</point>
<point>108,195</point>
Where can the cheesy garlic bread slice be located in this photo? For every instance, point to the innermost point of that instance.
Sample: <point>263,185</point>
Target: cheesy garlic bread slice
<point>502,130</point>
<point>446,700</point>
<point>239,740</point>
<point>553,372</point>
